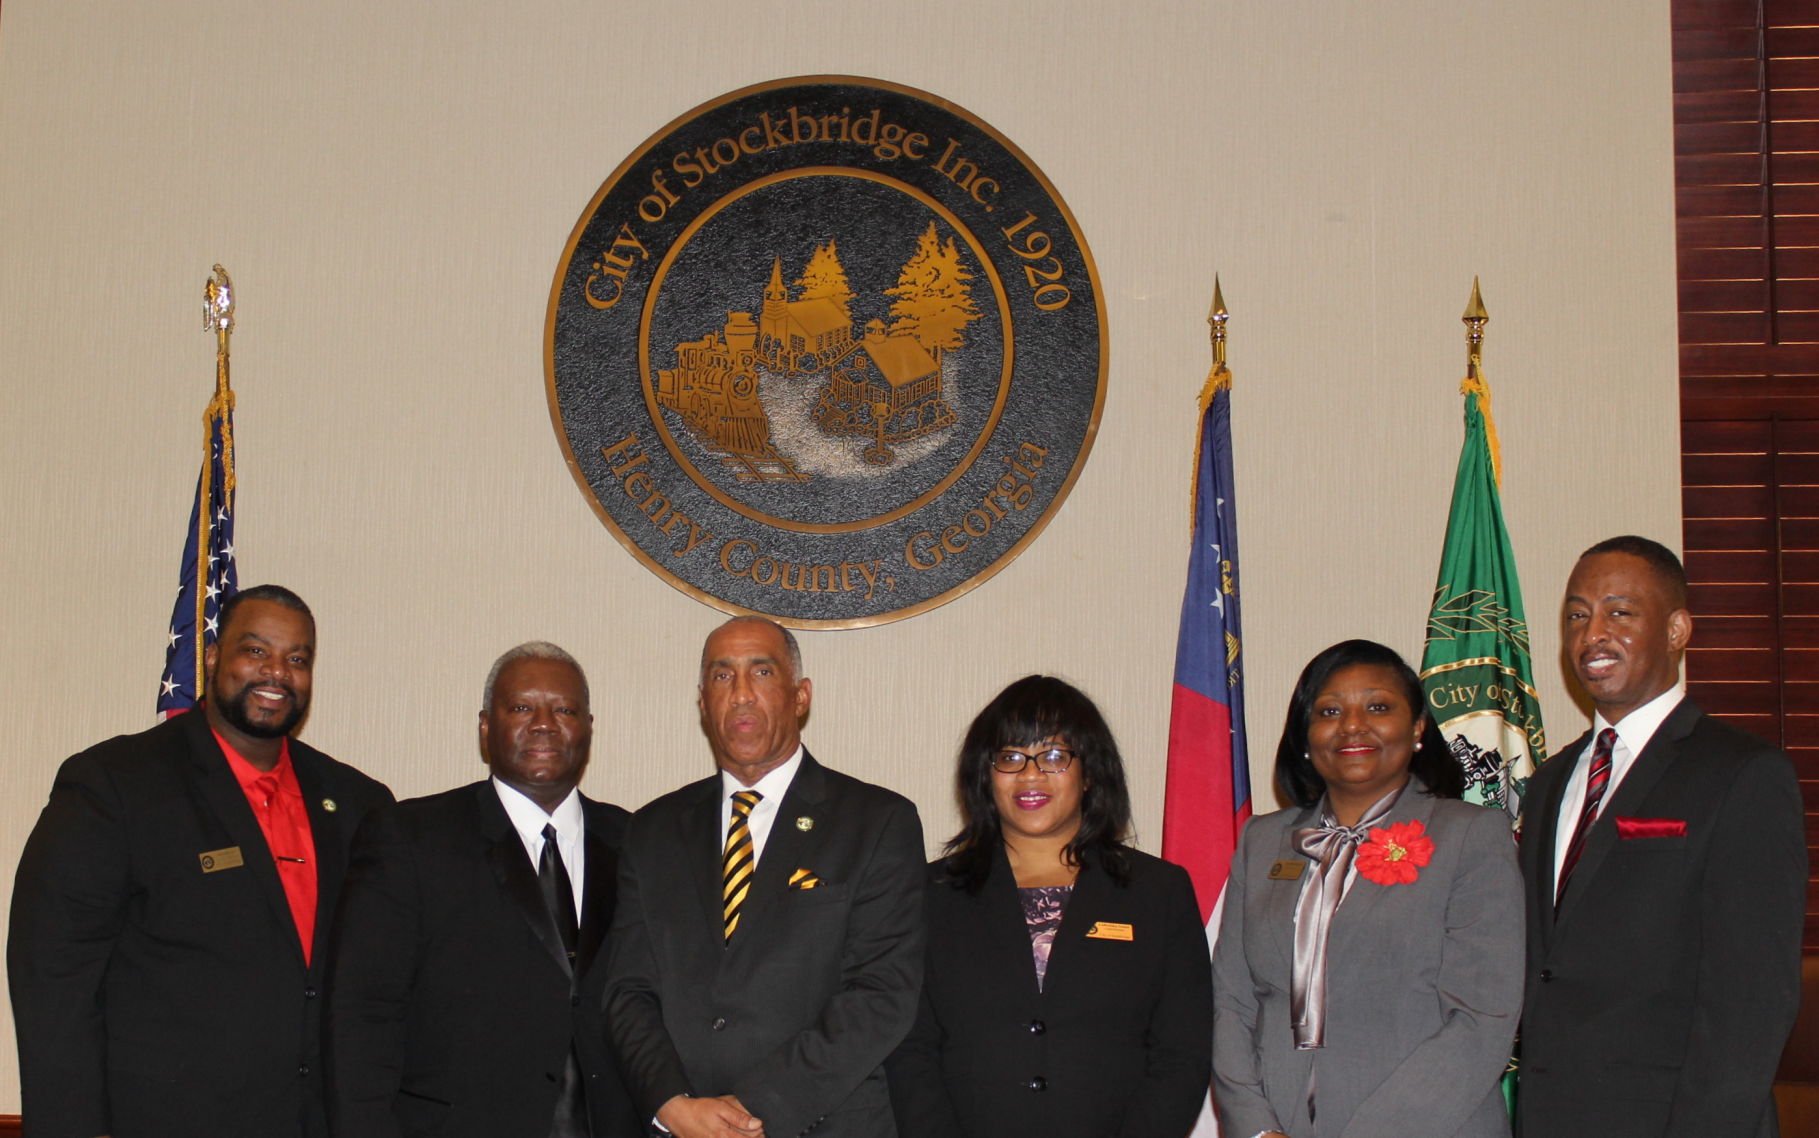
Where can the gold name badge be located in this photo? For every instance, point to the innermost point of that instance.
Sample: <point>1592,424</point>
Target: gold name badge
<point>228,858</point>
<point>1287,870</point>
<point>1109,930</point>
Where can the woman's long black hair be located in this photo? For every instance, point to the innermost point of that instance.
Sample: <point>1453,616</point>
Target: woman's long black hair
<point>1301,784</point>
<point>1031,711</point>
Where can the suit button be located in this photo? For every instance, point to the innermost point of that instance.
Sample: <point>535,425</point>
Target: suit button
<point>1037,1084</point>
<point>1035,1027</point>
<point>309,993</point>
<point>303,1070</point>
<point>719,1024</point>
<point>1547,974</point>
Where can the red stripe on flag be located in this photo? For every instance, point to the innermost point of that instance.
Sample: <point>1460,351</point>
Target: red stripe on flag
<point>1200,822</point>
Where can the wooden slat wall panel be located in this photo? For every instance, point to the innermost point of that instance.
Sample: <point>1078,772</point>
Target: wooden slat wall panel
<point>1746,123</point>
<point>1768,360</point>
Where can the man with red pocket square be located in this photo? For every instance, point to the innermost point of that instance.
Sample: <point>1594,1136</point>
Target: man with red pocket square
<point>1665,862</point>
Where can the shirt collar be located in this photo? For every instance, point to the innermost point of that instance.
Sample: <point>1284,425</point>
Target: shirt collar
<point>246,774</point>
<point>528,818</point>
<point>772,786</point>
<point>1640,725</point>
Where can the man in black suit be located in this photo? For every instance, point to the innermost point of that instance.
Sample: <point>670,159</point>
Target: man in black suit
<point>464,995</point>
<point>768,949</point>
<point>1665,863</point>
<point>171,909</point>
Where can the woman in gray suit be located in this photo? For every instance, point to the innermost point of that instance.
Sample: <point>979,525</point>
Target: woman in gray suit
<point>1368,972</point>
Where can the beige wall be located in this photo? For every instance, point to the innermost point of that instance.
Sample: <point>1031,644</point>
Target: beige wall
<point>391,186</point>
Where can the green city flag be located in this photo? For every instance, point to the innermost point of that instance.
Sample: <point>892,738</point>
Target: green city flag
<point>1476,670</point>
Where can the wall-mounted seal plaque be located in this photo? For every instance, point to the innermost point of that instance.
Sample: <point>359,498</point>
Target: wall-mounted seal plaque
<point>829,349</point>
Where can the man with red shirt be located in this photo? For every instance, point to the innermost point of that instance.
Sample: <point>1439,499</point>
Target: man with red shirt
<point>166,952</point>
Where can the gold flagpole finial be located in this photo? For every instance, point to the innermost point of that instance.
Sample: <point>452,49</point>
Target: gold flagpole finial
<point>1475,387</point>
<point>218,317</point>
<point>1216,318</point>
<point>1475,319</point>
<point>218,302</point>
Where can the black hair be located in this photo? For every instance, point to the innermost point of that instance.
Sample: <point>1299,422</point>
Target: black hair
<point>1034,709</point>
<point>1660,559</point>
<point>276,594</point>
<point>1296,777</point>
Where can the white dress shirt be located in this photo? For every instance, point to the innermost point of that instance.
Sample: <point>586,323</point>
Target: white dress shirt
<point>773,787</point>
<point>529,819</point>
<point>1633,734</point>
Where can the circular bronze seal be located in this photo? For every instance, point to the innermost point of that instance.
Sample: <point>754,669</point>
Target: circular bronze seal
<point>828,349</point>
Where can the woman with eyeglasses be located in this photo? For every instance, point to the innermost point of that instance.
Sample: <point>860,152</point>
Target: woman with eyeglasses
<point>1068,990</point>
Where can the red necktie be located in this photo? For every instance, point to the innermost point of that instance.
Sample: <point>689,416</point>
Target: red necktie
<point>1596,779</point>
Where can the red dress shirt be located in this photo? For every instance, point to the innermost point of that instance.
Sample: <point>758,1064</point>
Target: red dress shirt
<point>277,802</point>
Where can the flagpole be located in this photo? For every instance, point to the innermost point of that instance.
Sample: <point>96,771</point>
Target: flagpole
<point>1475,319</point>
<point>1207,795</point>
<point>217,317</point>
<point>1216,318</point>
<point>1217,380</point>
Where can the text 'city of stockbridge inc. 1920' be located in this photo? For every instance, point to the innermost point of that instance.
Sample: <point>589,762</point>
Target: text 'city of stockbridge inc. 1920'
<point>827,349</point>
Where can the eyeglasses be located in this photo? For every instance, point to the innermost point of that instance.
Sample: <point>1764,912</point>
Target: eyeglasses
<point>1049,760</point>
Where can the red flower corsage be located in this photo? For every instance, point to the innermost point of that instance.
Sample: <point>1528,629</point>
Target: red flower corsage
<point>1395,854</point>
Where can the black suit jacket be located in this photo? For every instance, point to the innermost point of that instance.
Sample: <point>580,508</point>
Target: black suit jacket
<point>151,997</point>
<point>796,1015</point>
<point>452,1004</point>
<point>1661,994</point>
<point>1119,1040</point>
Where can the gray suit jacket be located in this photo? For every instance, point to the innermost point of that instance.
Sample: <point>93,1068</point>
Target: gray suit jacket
<point>1423,986</point>
<point>797,1014</point>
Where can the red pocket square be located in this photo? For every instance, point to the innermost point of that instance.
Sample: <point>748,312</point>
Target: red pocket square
<point>1650,827</point>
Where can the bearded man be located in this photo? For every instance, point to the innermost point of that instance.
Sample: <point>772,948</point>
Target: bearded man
<point>170,911</point>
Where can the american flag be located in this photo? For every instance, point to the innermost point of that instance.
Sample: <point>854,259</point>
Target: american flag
<point>209,576</point>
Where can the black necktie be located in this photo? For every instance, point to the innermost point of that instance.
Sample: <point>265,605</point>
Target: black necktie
<point>558,893</point>
<point>570,1120</point>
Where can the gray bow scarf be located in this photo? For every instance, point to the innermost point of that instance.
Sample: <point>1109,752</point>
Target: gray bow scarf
<point>1329,848</point>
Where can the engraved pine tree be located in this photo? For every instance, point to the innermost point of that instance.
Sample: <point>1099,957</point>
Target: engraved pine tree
<point>934,302</point>
<point>824,277</point>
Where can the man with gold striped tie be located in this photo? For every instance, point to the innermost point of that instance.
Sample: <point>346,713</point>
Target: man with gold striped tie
<point>767,950</point>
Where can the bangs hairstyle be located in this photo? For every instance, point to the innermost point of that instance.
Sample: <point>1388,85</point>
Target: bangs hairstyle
<point>1296,777</point>
<point>1034,709</point>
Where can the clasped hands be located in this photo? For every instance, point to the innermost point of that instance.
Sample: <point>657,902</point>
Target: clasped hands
<point>722,1117</point>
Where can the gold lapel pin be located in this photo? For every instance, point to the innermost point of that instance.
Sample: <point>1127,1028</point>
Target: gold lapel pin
<point>805,823</point>
<point>328,804</point>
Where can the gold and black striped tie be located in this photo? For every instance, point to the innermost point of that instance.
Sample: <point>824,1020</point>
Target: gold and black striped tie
<point>736,866</point>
